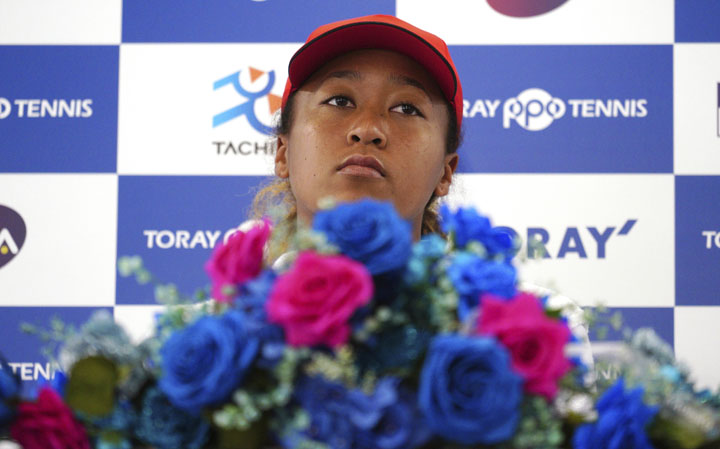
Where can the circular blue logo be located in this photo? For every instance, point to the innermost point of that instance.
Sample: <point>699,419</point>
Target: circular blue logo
<point>12,234</point>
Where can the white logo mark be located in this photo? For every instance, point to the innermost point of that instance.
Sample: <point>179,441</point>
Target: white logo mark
<point>534,109</point>
<point>5,107</point>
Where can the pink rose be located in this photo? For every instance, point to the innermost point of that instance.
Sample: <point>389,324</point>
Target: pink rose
<point>238,260</point>
<point>536,342</point>
<point>314,300</point>
<point>48,424</point>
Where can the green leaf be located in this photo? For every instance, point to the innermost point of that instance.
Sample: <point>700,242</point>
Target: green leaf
<point>91,386</point>
<point>672,432</point>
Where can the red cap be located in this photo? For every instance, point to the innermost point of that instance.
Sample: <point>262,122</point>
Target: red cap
<point>381,32</point>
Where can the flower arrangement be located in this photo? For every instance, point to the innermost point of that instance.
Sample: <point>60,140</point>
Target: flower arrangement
<point>359,339</point>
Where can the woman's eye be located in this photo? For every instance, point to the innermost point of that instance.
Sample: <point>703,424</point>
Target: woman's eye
<point>407,109</point>
<point>340,101</point>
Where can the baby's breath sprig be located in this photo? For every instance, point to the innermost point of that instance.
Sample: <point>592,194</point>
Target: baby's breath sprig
<point>58,333</point>
<point>383,317</point>
<point>250,404</point>
<point>478,249</point>
<point>290,426</point>
<point>444,304</point>
<point>601,321</point>
<point>133,266</point>
<point>165,293</point>
<point>238,415</point>
<point>539,428</point>
<point>338,367</point>
<point>307,239</point>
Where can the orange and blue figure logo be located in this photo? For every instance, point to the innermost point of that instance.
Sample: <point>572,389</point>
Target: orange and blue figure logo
<point>247,107</point>
<point>524,8</point>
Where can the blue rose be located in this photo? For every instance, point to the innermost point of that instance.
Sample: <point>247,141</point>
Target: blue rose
<point>166,427</point>
<point>327,405</point>
<point>204,362</point>
<point>472,275</point>
<point>345,419</point>
<point>254,293</point>
<point>467,225</point>
<point>502,240</point>
<point>431,247</point>
<point>622,418</point>
<point>424,254</point>
<point>9,389</point>
<point>271,339</point>
<point>468,392</point>
<point>387,419</point>
<point>251,300</point>
<point>368,231</point>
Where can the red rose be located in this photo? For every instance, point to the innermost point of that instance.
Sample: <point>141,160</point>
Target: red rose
<point>314,300</point>
<point>536,342</point>
<point>48,424</point>
<point>238,260</point>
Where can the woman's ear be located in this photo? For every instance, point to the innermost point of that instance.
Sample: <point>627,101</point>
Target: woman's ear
<point>281,163</point>
<point>449,167</point>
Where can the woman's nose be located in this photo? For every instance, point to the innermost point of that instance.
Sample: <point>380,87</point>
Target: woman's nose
<point>368,130</point>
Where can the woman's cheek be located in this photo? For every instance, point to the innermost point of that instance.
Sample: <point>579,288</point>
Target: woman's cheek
<point>326,123</point>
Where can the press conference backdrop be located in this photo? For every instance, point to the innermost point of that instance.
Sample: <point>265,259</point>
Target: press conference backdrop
<point>143,127</point>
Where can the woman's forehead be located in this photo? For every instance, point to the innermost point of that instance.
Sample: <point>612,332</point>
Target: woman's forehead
<point>395,67</point>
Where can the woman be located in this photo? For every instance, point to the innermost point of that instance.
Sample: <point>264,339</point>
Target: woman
<point>372,108</point>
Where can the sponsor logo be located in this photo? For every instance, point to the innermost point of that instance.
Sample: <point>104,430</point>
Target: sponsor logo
<point>12,234</point>
<point>245,148</point>
<point>712,239</point>
<point>46,108</point>
<point>28,371</point>
<point>184,239</point>
<point>581,242</point>
<point>249,98</point>
<point>524,8</point>
<point>5,107</point>
<point>584,242</point>
<point>535,109</point>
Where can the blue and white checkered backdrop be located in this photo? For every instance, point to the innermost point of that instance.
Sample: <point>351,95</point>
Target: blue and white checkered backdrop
<point>142,127</point>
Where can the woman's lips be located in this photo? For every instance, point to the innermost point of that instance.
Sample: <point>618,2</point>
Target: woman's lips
<point>358,165</point>
<point>360,170</point>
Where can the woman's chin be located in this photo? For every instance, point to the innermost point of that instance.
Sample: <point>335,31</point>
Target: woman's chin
<point>350,195</point>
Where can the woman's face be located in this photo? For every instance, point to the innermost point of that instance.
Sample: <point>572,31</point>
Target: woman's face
<point>370,123</point>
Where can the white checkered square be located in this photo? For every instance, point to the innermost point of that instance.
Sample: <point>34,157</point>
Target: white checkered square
<point>52,22</point>
<point>697,339</point>
<point>68,258</point>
